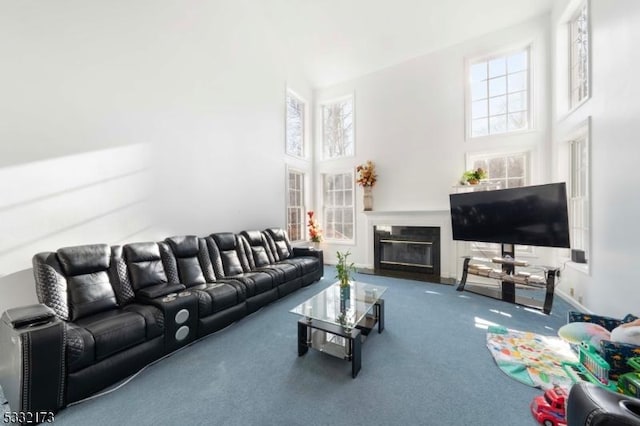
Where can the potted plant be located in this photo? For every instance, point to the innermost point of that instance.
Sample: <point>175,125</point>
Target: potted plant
<point>473,177</point>
<point>344,270</point>
<point>367,178</point>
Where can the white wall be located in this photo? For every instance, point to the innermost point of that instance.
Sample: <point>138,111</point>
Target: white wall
<point>133,121</point>
<point>410,120</point>
<point>611,285</point>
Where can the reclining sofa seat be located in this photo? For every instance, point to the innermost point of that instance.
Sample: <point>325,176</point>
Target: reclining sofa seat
<point>108,335</point>
<point>261,259</point>
<point>310,262</point>
<point>229,260</point>
<point>220,302</point>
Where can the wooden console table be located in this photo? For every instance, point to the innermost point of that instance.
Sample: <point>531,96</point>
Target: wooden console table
<point>509,281</point>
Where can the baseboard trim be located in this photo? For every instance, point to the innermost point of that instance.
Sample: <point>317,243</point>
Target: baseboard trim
<point>573,302</point>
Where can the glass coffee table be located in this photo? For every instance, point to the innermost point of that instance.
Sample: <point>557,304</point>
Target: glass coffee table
<point>336,321</point>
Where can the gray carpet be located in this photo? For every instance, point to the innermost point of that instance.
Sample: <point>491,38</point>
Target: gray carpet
<point>430,366</point>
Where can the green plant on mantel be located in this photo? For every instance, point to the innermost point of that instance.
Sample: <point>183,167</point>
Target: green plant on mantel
<point>344,269</point>
<point>473,177</point>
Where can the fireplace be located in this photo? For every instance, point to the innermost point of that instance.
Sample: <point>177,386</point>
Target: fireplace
<point>409,249</point>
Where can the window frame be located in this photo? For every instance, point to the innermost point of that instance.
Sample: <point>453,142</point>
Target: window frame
<point>529,47</point>
<point>302,207</point>
<point>349,174</point>
<point>321,106</point>
<point>575,13</point>
<point>300,99</point>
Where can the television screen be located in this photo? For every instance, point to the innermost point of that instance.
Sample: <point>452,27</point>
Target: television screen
<point>531,215</point>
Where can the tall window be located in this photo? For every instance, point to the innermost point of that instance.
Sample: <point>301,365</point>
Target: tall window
<point>338,206</point>
<point>499,94</point>
<point>295,125</point>
<point>506,170</point>
<point>579,42</point>
<point>337,129</point>
<point>295,205</point>
<point>579,220</point>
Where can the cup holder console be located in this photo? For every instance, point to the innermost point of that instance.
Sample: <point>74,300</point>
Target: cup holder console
<point>632,407</point>
<point>181,315</point>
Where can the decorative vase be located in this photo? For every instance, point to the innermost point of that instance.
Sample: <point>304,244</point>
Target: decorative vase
<point>368,199</point>
<point>345,292</point>
<point>316,245</point>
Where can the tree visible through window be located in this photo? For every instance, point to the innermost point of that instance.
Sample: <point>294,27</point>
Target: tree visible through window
<point>295,126</point>
<point>499,95</point>
<point>295,205</point>
<point>579,55</point>
<point>338,206</point>
<point>337,129</point>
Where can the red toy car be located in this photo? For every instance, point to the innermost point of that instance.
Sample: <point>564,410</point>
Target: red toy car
<point>548,409</point>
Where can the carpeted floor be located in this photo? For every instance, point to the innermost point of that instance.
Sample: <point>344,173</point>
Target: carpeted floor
<point>430,366</point>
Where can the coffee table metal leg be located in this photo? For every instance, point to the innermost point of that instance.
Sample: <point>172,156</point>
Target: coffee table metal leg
<point>303,341</point>
<point>379,307</point>
<point>356,354</point>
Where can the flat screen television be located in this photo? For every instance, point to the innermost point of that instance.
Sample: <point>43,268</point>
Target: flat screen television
<point>530,215</point>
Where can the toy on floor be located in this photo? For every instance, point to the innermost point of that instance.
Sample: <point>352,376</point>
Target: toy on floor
<point>549,409</point>
<point>590,368</point>
<point>629,383</point>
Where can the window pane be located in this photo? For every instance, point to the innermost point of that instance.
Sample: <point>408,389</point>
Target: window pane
<point>514,183</point>
<point>517,121</point>
<point>515,166</point>
<point>497,67</point>
<point>497,86</point>
<point>479,72</point>
<point>478,90</point>
<point>337,129</point>
<point>295,126</point>
<point>498,124</point>
<point>517,62</point>
<point>479,109</point>
<point>480,127</point>
<point>498,105</point>
<point>348,196</point>
<point>497,168</point>
<point>517,81</point>
<point>348,231</point>
<point>481,164</point>
<point>518,102</point>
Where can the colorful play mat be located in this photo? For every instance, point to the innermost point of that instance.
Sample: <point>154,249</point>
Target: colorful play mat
<point>530,358</point>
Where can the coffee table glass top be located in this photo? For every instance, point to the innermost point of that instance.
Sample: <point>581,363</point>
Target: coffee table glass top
<point>328,306</point>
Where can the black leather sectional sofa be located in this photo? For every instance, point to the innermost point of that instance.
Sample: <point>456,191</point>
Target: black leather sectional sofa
<point>106,312</point>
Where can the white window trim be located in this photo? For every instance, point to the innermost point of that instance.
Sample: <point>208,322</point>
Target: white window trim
<point>351,241</point>
<point>305,128</point>
<point>320,126</point>
<point>574,8</point>
<point>305,189</point>
<point>531,116</point>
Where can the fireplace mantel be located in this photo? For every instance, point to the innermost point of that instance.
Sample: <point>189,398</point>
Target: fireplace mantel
<point>374,213</point>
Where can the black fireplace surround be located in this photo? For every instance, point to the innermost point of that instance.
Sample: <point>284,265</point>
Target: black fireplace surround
<point>106,312</point>
<point>409,249</point>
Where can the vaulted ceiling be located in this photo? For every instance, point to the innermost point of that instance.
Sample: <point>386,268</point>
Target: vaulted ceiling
<point>335,40</point>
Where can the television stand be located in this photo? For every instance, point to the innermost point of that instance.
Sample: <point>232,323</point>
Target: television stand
<point>509,279</point>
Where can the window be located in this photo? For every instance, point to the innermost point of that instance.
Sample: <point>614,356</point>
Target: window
<point>579,42</point>
<point>338,206</point>
<point>499,94</point>
<point>506,170</point>
<point>295,205</point>
<point>579,221</point>
<point>337,129</point>
<point>295,125</point>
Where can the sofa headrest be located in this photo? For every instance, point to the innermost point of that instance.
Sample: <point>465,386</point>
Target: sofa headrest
<point>225,240</point>
<point>254,238</point>
<point>184,246</point>
<point>277,234</point>
<point>80,260</point>
<point>141,252</point>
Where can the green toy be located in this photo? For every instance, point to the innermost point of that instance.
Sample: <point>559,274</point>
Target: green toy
<point>629,383</point>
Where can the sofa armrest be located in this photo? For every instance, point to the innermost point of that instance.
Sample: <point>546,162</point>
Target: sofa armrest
<point>159,290</point>
<point>28,316</point>
<point>306,251</point>
<point>606,322</point>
